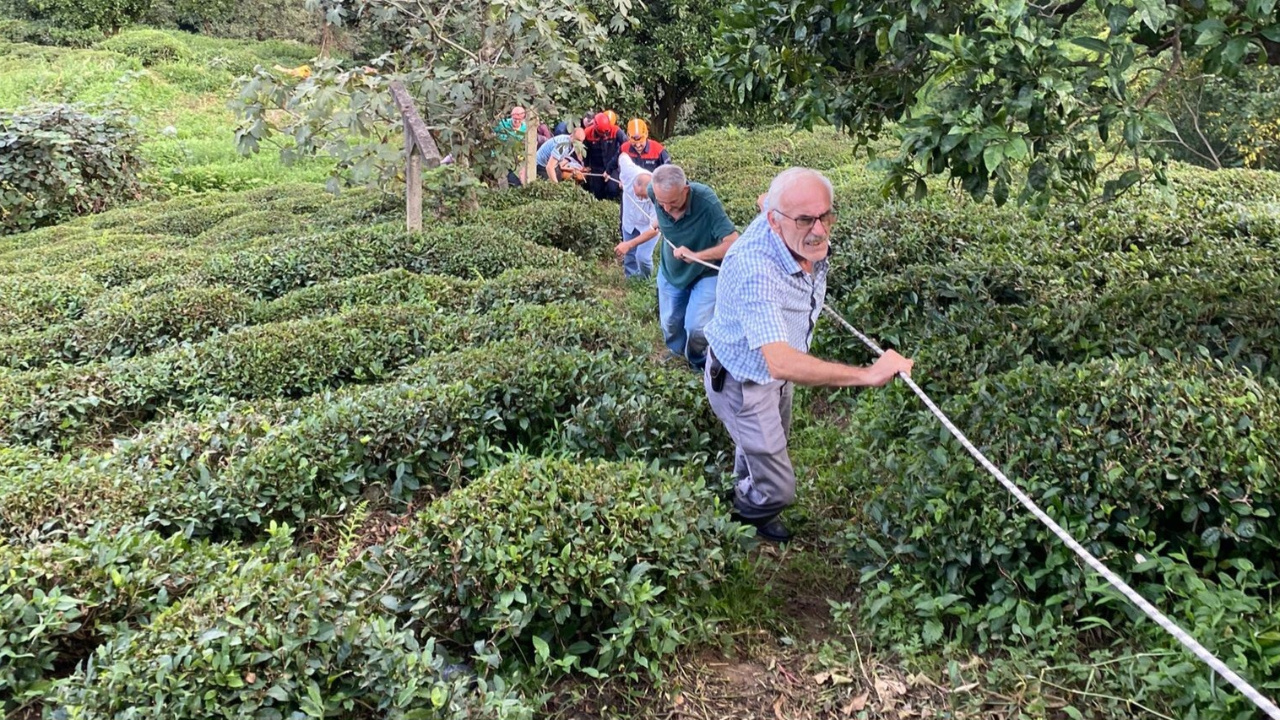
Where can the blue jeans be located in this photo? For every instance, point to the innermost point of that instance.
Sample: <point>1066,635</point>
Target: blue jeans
<point>638,262</point>
<point>683,313</point>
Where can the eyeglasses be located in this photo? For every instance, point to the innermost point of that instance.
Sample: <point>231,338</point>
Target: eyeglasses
<point>805,222</point>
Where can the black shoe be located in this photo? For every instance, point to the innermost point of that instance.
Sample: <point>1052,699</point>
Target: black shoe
<point>770,528</point>
<point>773,530</point>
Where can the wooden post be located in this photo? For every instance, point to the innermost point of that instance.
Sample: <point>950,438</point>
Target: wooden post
<point>412,185</point>
<point>418,144</point>
<point>531,148</point>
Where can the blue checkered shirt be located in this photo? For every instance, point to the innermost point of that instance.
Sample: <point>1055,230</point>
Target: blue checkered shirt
<point>763,297</point>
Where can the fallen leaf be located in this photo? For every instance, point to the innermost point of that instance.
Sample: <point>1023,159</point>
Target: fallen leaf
<point>856,705</point>
<point>822,677</point>
<point>891,688</point>
<point>837,679</point>
<point>777,708</point>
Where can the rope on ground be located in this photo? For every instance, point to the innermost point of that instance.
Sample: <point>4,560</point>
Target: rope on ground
<point>1151,611</point>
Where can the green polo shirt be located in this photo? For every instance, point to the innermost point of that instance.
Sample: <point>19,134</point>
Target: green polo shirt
<point>703,225</point>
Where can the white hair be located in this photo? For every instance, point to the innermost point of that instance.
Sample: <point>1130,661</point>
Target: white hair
<point>789,177</point>
<point>669,177</point>
<point>645,176</point>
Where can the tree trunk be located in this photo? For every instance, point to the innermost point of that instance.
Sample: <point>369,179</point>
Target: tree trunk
<point>326,40</point>
<point>667,112</point>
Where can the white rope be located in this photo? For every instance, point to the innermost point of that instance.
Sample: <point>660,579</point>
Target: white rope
<point>1190,643</point>
<point>606,176</point>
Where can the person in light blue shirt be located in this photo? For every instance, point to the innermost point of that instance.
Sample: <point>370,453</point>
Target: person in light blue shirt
<point>773,282</point>
<point>559,154</point>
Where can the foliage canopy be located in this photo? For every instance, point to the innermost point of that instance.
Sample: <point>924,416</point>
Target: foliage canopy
<point>979,89</point>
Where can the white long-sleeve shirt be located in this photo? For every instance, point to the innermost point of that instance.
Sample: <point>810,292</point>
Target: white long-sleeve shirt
<point>637,211</point>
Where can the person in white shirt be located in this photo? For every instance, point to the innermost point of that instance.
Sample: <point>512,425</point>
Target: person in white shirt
<point>639,228</point>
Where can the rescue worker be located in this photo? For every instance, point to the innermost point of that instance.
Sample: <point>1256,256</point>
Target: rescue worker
<point>647,154</point>
<point>604,142</point>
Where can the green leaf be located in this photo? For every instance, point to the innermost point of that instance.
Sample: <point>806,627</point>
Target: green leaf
<point>542,649</point>
<point>931,632</point>
<point>992,156</point>
<point>1092,43</point>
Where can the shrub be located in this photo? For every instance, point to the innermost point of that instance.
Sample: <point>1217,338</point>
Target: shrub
<point>151,47</point>
<point>66,254</point>
<point>1129,456</point>
<point>105,15</point>
<point>138,325</point>
<point>985,312</point>
<point>59,407</point>
<point>385,288</point>
<point>469,251</point>
<point>533,286</point>
<point>190,222</point>
<point>58,600</point>
<point>37,301</point>
<point>59,160</point>
<point>44,33</point>
<point>446,420</point>
<point>124,267</point>
<point>535,194</point>
<point>584,230</point>
<point>359,207</point>
<point>281,635</point>
<point>568,565</point>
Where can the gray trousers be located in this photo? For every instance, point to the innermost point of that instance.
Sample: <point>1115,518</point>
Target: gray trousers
<point>758,417</point>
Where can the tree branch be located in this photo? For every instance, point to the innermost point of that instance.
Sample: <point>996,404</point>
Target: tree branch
<point>1059,10</point>
<point>1174,68</point>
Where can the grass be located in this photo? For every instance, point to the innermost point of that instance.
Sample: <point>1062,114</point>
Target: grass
<point>180,106</point>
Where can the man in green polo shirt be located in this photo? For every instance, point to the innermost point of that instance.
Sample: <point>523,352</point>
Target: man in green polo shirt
<point>692,218</point>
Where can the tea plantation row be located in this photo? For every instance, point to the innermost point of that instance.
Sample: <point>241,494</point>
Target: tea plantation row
<point>185,382</point>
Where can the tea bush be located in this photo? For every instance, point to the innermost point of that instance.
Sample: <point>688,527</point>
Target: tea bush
<point>59,599</point>
<point>1131,456</point>
<point>567,565</point>
<point>464,251</point>
<point>534,194</point>
<point>584,230</point>
<point>282,635</point>
<point>33,302</point>
<point>151,47</point>
<point>449,417</point>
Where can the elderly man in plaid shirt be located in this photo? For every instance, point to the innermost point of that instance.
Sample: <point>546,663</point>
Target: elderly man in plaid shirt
<point>772,284</point>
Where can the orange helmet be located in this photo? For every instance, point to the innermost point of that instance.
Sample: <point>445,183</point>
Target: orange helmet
<point>613,117</point>
<point>638,131</point>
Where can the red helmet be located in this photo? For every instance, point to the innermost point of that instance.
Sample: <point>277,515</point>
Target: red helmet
<point>603,123</point>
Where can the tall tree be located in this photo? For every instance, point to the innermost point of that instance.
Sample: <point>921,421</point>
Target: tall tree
<point>466,63</point>
<point>981,88</point>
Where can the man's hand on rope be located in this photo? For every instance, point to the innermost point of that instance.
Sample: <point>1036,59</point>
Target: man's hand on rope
<point>888,366</point>
<point>685,254</point>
